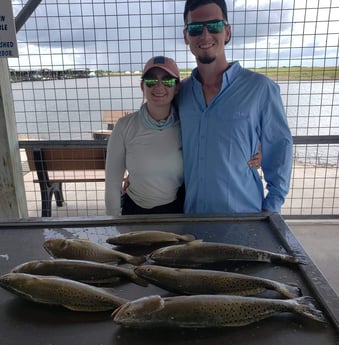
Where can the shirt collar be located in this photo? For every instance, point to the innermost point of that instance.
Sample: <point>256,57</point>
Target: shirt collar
<point>228,77</point>
<point>149,122</point>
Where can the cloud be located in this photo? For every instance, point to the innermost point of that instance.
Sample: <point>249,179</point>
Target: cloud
<point>122,35</point>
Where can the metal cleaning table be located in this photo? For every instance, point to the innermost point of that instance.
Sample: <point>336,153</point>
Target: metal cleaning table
<point>24,322</point>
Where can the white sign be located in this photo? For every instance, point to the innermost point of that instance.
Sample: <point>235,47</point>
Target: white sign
<point>8,44</point>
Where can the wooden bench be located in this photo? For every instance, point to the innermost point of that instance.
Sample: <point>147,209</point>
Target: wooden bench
<point>61,161</point>
<point>109,118</point>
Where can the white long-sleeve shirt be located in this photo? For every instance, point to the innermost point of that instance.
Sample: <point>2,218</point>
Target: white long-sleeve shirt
<point>153,158</point>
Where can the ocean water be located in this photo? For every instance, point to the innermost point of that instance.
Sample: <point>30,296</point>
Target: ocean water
<point>72,109</point>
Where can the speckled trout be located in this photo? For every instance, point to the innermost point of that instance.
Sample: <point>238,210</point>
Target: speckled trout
<point>60,291</point>
<point>197,253</point>
<point>196,281</point>
<point>89,272</point>
<point>202,311</point>
<point>80,249</point>
<point>148,238</point>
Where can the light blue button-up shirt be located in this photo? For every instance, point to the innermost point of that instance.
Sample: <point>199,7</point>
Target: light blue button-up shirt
<point>219,139</point>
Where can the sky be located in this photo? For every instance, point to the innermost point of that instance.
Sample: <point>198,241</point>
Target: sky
<point>121,35</point>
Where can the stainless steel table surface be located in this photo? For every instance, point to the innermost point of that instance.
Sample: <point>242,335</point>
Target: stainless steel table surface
<point>28,323</point>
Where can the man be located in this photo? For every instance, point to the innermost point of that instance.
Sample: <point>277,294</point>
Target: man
<point>227,113</point>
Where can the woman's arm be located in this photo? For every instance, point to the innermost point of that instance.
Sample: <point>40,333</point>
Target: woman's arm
<point>115,169</point>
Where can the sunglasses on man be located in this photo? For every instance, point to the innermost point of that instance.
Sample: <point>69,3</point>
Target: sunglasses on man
<point>213,27</point>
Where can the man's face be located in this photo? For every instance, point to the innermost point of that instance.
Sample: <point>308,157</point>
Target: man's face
<point>208,46</point>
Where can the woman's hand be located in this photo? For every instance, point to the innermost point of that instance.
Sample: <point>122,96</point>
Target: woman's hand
<point>255,161</point>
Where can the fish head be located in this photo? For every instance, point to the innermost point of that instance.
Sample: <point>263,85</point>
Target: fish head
<point>139,309</point>
<point>55,245</point>
<point>15,282</point>
<point>162,252</point>
<point>6,279</point>
<point>171,251</point>
<point>26,267</point>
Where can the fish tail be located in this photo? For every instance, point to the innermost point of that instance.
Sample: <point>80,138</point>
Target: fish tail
<point>188,237</point>
<point>306,306</point>
<point>292,259</point>
<point>137,260</point>
<point>289,291</point>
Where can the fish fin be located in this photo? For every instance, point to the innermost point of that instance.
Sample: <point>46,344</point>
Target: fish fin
<point>289,290</point>
<point>88,308</point>
<point>81,239</point>
<point>306,306</point>
<point>74,308</point>
<point>109,290</point>
<point>194,242</point>
<point>188,237</point>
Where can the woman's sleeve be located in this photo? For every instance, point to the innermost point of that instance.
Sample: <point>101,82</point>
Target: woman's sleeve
<point>115,169</point>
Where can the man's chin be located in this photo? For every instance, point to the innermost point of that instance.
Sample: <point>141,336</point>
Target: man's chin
<point>206,59</point>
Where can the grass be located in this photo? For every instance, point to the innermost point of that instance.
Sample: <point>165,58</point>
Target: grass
<point>300,73</point>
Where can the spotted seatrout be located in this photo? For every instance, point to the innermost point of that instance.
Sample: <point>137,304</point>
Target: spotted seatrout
<point>195,281</point>
<point>80,249</point>
<point>202,311</point>
<point>60,291</point>
<point>148,238</point>
<point>81,270</point>
<point>197,253</point>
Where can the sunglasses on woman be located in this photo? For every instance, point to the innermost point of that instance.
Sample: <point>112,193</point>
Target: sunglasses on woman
<point>213,27</point>
<point>166,81</point>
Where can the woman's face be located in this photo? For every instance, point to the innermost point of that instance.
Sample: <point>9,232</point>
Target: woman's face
<point>159,94</point>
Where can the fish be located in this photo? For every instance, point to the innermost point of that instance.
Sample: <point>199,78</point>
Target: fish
<point>205,311</point>
<point>195,281</point>
<point>198,253</point>
<point>89,272</point>
<point>148,238</point>
<point>68,293</point>
<point>81,249</point>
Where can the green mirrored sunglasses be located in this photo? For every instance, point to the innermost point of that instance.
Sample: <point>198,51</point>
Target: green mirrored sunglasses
<point>213,27</point>
<point>166,81</point>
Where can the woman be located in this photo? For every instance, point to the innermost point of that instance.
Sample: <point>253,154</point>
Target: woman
<point>147,144</point>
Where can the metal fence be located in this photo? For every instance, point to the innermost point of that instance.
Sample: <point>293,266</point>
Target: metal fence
<point>83,57</point>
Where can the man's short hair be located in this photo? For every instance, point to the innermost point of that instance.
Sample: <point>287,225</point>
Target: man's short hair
<point>191,5</point>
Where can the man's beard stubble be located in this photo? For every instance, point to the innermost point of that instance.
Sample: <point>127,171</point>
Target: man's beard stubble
<point>206,59</point>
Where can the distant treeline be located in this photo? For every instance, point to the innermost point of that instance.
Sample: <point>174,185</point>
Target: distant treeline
<point>47,74</point>
<point>275,73</point>
<point>292,73</point>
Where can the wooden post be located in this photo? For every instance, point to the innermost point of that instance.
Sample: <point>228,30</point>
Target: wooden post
<point>12,190</point>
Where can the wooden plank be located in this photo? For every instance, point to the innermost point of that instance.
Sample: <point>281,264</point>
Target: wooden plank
<point>81,158</point>
<point>12,188</point>
<point>102,134</point>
